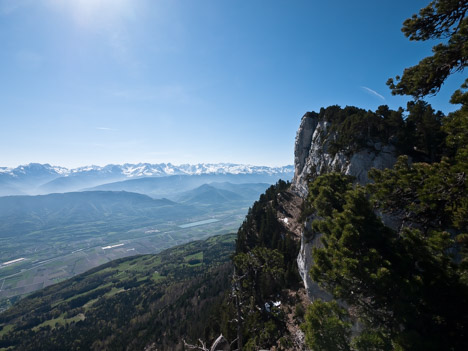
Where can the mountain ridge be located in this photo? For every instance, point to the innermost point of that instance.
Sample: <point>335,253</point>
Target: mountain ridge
<point>36,179</point>
<point>146,169</point>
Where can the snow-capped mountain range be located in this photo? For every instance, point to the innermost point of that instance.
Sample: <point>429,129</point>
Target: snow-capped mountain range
<point>143,169</point>
<point>35,178</point>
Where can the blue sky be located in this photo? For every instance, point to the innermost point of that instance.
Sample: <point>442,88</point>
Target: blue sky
<point>113,81</point>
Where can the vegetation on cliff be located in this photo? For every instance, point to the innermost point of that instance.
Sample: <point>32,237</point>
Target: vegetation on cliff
<point>405,287</point>
<point>416,131</point>
<point>264,269</point>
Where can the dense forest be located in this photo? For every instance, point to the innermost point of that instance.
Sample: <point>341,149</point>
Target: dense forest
<point>402,286</point>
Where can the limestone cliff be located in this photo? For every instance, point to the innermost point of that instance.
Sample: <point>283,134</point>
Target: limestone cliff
<point>312,157</point>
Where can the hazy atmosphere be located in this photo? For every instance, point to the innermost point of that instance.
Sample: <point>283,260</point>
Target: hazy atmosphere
<point>114,81</point>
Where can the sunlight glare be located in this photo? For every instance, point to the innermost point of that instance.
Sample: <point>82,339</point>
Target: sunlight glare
<point>92,13</point>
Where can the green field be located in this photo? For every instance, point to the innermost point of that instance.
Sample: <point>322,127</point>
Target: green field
<point>143,295</point>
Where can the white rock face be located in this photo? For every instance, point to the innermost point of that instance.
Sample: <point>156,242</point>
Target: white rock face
<point>311,159</point>
<point>305,261</point>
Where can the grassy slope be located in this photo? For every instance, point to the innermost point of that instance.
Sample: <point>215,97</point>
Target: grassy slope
<point>129,302</point>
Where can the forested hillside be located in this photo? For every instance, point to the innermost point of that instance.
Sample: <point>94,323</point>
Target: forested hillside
<point>128,303</point>
<point>394,254</point>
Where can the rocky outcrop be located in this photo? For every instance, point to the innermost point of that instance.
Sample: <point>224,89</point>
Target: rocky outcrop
<point>305,261</point>
<point>288,212</point>
<point>312,156</point>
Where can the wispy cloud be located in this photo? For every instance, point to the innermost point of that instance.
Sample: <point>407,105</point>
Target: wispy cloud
<point>105,128</point>
<point>372,92</point>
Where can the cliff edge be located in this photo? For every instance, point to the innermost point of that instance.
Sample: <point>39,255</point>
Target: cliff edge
<point>316,153</point>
